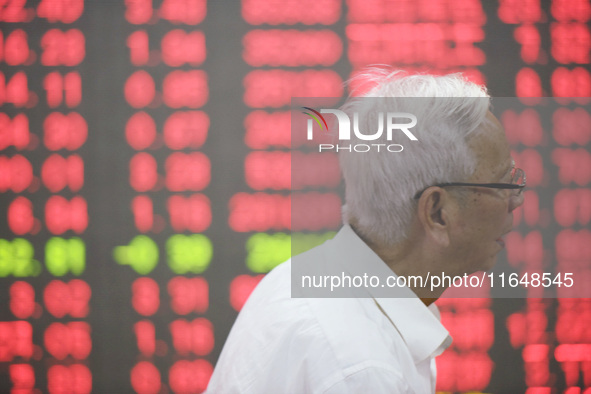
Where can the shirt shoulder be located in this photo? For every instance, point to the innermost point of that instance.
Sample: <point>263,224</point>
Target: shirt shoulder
<point>308,345</point>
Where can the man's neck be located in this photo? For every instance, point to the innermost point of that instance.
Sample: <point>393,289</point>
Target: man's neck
<point>408,259</point>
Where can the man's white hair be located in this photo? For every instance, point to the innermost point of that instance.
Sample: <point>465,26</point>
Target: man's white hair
<point>380,187</point>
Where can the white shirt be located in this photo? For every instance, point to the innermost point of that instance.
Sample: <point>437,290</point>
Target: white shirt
<point>280,344</point>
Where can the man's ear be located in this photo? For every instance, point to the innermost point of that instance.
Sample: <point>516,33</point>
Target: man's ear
<point>434,215</point>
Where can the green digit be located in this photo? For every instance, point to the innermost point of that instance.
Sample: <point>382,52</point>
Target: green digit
<point>5,258</point>
<point>202,250</point>
<point>281,250</point>
<point>257,247</point>
<point>189,253</point>
<point>56,256</point>
<point>177,254</point>
<point>141,253</point>
<point>23,264</point>
<point>266,251</point>
<point>77,255</point>
<point>144,254</point>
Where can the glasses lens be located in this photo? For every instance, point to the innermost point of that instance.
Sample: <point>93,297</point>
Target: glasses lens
<point>518,178</point>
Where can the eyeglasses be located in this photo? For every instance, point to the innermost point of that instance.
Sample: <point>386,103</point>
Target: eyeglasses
<point>517,184</point>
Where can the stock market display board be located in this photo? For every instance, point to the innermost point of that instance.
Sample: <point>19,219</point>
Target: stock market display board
<point>145,177</point>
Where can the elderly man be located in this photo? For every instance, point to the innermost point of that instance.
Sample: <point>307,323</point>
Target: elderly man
<point>441,205</point>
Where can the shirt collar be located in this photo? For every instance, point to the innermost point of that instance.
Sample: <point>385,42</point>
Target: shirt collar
<point>418,324</point>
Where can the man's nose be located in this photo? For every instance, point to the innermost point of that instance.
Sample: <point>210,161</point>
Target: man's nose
<point>516,201</point>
